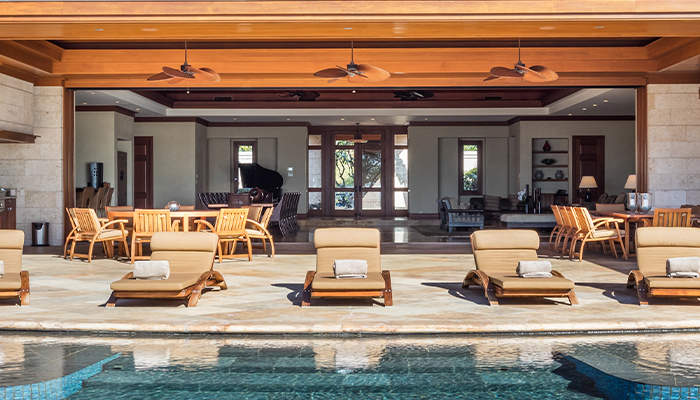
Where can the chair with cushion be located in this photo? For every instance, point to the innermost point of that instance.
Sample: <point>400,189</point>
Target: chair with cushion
<point>14,282</point>
<point>146,223</point>
<point>258,230</point>
<point>497,253</point>
<point>213,198</point>
<point>89,228</point>
<point>463,218</point>
<point>557,231</point>
<point>655,245</point>
<point>191,258</point>
<point>598,230</point>
<point>347,244</point>
<point>230,227</point>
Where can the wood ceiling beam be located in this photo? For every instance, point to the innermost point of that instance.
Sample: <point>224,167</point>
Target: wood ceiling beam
<point>43,47</point>
<point>680,54</point>
<point>11,51</point>
<point>357,104</point>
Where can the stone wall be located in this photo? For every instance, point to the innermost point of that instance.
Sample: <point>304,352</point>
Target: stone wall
<point>674,144</point>
<point>34,169</point>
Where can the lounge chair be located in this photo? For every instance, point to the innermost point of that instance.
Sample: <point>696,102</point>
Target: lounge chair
<point>191,258</point>
<point>654,246</point>
<point>497,254</point>
<point>347,243</point>
<point>15,282</point>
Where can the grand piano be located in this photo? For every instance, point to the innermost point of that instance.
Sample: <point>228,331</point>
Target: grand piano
<point>256,176</point>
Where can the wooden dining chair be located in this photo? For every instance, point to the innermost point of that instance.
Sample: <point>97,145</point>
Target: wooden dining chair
<point>96,199</point>
<point>146,223</point>
<point>598,230</point>
<point>84,197</point>
<point>89,228</point>
<point>230,227</point>
<point>569,228</point>
<point>258,230</point>
<point>671,218</point>
<point>74,229</point>
<point>556,232</point>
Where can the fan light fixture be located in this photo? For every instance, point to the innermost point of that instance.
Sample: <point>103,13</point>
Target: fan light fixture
<point>520,73</point>
<point>186,72</point>
<point>356,73</point>
<point>358,136</point>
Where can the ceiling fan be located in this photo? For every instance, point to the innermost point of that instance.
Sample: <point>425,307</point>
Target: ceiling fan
<point>362,73</point>
<point>413,95</point>
<point>357,138</point>
<point>520,73</point>
<point>301,95</point>
<point>186,73</point>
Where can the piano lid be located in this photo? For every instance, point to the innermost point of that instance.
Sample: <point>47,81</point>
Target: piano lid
<point>255,175</point>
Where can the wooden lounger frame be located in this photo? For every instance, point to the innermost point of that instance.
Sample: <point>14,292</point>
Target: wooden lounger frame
<point>309,293</point>
<point>22,293</point>
<point>636,279</point>
<point>492,292</point>
<point>193,292</point>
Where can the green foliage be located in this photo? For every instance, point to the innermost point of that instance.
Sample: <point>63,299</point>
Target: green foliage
<point>470,180</point>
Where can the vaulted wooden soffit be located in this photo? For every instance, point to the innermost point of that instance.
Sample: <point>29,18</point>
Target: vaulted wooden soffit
<point>280,44</point>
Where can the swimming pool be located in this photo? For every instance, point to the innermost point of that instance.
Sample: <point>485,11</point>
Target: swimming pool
<point>663,366</point>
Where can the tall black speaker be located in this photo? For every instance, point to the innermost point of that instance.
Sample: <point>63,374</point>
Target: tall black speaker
<point>95,174</point>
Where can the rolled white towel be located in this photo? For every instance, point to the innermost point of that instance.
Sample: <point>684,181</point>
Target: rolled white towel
<point>2,269</point>
<point>684,275</point>
<point>682,264</point>
<point>350,269</point>
<point>534,267</point>
<point>537,275</point>
<point>154,270</point>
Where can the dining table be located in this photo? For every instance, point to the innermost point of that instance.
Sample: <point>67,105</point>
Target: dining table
<point>185,215</point>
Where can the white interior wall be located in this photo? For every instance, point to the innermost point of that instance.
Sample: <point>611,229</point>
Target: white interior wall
<point>95,141</point>
<point>619,148</point>
<point>278,149</point>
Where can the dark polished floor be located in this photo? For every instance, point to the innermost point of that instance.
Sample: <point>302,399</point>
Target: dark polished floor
<point>398,236</point>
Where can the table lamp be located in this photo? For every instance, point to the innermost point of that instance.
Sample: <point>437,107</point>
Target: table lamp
<point>632,197</point>
<point>588,183</point>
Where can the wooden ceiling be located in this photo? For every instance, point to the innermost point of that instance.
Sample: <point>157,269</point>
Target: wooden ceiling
<point>360,98</point>
<point>280,44</point>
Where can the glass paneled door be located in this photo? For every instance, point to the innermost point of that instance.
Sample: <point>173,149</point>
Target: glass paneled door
<point>358,185</point>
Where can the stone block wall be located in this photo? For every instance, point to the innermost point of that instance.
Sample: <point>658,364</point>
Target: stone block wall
<point>674,144</point>
<point>34,169</point>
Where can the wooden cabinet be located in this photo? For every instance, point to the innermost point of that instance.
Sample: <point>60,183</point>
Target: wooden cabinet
<point>8,218</point>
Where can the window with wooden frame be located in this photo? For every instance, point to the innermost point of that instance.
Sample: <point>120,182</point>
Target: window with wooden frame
<point>315,174</point>
<point>471,171</point>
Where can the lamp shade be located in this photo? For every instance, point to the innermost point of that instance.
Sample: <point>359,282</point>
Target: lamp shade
<point>631,182</point>
<point>588,182</point>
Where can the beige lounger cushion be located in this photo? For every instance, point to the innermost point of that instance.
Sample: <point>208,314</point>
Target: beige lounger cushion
<point>11,243</point>
<point>655,245</point>
<point>510,282</point>
<point>374,281</point>
<point>11,281</point>
<point>107,234</point>
<point>663,282</point>
<point>174,282</point>
<point>606,233</point>
<point>501,240</point>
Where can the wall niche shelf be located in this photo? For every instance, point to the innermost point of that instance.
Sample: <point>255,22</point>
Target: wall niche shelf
<point>559,153</point>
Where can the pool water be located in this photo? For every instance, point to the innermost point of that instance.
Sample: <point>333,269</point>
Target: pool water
<point>655,366</point>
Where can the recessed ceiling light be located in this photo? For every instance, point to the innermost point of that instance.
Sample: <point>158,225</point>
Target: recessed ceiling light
<point>595,105</point>
<point>372,119</point>
<point>287,119</point>
<point>548,28</point>
<point>342,119</point>
<point>347,29</point>
<point>353,91</point>
<point>84,103</point>
<point>599,27</point>
<point>92,92</point>
<point>605,100</point>
<point>398,73</point>
<point>149,29</point>
<point>138,109</point>
<point>570,114</point>
<point>99,29</point>
<point>117,102</point>
<point>426,119</point>
<point>584,108</point>
<point>235,119</point>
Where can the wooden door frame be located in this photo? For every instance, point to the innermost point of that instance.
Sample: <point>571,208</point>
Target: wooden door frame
<point>234,159</point>
<point>149,199</point>
<point>575,164</point>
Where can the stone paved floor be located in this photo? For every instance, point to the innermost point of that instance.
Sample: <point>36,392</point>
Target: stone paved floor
<point>264,297</point>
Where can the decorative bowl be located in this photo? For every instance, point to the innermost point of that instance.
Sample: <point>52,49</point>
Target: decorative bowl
<point>173,206</point>
<point>548,161</point>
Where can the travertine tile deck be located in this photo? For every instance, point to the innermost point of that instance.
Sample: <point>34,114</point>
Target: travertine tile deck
<point>264,296</point>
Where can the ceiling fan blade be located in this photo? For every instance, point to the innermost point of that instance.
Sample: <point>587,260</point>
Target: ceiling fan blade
<point>492,78</point>
<point>505,72</point>
<point>546,72</point>
<point>200,75</point>
<point>287,94</point>
<point>173,81</point>
<point>160,77</point>
<point>371,73</point>
<point>351,73</point>
<point>333,80</point>
<point>309,95</point>
<point>530,75</point>
<point>424,94</point>
<point>331,73</point>
<point>212,72</point>
<point>176,73</point>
